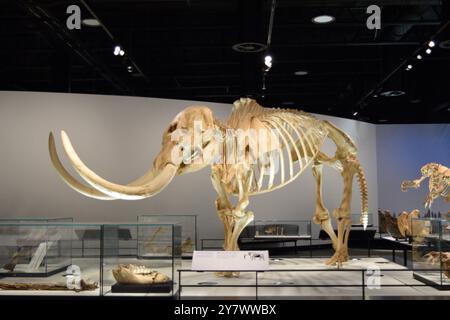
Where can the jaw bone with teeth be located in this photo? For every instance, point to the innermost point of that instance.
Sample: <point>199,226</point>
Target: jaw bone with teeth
<point>132,274</point>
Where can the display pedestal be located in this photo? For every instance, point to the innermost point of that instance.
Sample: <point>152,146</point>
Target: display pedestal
<point>142,288</point>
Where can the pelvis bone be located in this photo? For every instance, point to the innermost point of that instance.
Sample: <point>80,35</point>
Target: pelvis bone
<point>132,274</point>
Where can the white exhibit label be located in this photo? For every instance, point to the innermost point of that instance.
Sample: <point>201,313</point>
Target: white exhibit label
<point>230,260</point>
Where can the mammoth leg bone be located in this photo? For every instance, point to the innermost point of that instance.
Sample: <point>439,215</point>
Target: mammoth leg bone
<point>224,208</point>
<point>322,216</point>
<point>342,215</point>
<point>234,219</point>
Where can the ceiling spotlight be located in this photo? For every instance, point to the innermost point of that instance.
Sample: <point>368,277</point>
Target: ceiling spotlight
<point>301,73</point>
<point>419,57</point>
<point>130,69</point>
<point>121,52</point>
<point>268,62</point>
<point>91,22</point>
<point>428,51</point>
<point>322,19</point>
<point>409,67</point>
<point>431,44</point>
<point>355,113</point>
<point>444,44</point>
<point>117,50</point>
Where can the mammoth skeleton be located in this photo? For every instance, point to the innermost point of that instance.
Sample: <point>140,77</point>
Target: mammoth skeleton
<point>255,167</point>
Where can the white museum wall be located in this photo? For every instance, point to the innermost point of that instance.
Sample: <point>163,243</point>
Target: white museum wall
<point>402,150</point>
<point>118,137</point>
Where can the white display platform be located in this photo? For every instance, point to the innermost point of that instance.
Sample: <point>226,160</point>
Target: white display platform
<point>280,280</point>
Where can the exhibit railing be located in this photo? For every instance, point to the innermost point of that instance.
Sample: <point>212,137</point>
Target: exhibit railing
<point>308,284</point>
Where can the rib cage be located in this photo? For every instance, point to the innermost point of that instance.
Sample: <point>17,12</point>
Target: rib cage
<point>300,135</point>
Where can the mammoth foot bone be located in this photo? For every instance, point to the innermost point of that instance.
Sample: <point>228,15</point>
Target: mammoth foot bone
<point>132,274</point>
<point>339,257</point>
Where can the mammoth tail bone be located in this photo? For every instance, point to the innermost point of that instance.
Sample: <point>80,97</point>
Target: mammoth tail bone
<point>346,149</point>
<point>364,194</point>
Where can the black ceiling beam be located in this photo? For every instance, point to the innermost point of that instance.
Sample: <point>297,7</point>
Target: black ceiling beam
<point>63,35</point>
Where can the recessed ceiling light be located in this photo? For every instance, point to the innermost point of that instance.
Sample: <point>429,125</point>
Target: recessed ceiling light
<point>428,51</point>
<point>444,44</point>
<point>323,19</point>
<point>419,57</point>
<point>91,22</point>
<point>301,73</point>
<point>431,44</point>
<point>355,113</point>
<point>249,47</point>
<point>392,93</point>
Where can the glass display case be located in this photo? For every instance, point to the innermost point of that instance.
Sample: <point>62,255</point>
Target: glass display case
<point>188,224</point>
<point>151,270</point>
<point>266,229</point>
<point>35,247</point>
<point>47,259</point>
<point>431,251</point>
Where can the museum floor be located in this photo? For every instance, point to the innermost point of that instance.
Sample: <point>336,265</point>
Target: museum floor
<point>289,277</point>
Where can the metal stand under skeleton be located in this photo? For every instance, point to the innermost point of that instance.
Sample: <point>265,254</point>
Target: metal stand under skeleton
<point>300,138</point>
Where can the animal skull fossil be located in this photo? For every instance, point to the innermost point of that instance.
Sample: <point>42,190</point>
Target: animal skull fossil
<point>133,274</point>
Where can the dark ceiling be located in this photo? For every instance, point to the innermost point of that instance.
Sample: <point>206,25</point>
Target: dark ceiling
<point>183,50</point>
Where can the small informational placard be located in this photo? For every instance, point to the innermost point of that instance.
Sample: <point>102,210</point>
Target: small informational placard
<point>230,260</point>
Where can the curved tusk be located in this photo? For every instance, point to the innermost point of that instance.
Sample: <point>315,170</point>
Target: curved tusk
<point>126,192</point>
<point>79,187</point>
<point>68,178</point>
